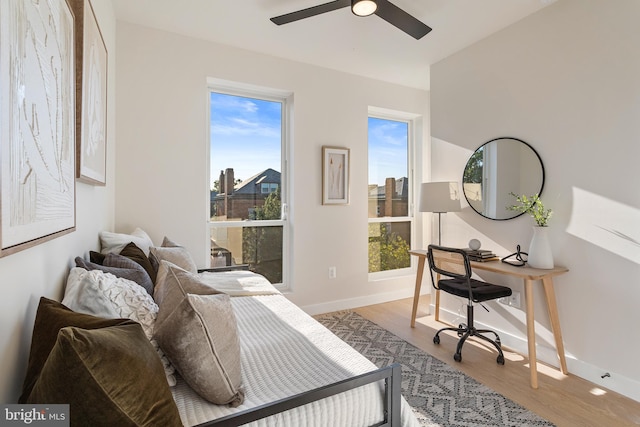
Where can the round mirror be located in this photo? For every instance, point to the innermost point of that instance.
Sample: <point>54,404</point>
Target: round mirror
<point>495,170</point>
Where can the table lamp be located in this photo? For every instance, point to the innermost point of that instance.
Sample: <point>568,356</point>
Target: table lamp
<point>439,197</point>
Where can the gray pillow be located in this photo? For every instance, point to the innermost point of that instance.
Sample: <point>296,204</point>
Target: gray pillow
<point>176,255</point>
<point>168,243</point>
<point>122,267</point>
<point>199,335</point>
<point>175,282</point>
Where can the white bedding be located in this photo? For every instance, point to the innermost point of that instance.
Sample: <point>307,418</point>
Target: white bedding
<point>285,352</point>
<point>239,283</point>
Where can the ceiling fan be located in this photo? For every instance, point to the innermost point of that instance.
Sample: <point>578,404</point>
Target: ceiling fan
<point>383,8</point>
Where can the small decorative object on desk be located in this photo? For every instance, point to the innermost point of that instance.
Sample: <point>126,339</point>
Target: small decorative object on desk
<point>474,244</point>
<point>540,254</point>
<point>476,254</point>
<point>518,258</point>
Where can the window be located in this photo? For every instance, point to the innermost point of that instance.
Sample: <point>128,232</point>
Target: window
<point>268,188</point>
<point>248,181</point>
<point>390,189</point>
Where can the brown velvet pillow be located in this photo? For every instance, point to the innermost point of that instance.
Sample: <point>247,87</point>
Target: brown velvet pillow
<point>50,318</point>
<point>109,377</point>
<point>136,254</point>
<point>96,257</point>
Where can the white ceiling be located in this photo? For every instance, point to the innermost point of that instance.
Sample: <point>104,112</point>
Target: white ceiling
<point>338,40</point>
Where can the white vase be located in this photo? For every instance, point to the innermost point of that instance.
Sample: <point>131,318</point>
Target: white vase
<point>540,254</point>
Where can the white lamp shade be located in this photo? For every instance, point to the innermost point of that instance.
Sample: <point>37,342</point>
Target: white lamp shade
<point>363,7</point>
<point>439,197</point>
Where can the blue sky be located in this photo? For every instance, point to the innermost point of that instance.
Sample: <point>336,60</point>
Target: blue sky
<point>246,136</point>
<point>387,150</point>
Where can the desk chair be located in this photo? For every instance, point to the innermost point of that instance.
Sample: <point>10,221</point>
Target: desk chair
<point>454,263</point>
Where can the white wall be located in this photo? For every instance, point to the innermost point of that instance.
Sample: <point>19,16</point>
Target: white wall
<point>162,149</point>
<point>41,270</point>
<point>566,81</point>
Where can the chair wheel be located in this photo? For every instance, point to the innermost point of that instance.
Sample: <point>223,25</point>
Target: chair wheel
<point>458,357</point>
<point>436,339</point>
<point>500,359</point>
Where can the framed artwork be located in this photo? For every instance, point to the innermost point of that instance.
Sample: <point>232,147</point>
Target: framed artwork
<point>335,176</point>
<point>37,123</point>
<point>91,95</point>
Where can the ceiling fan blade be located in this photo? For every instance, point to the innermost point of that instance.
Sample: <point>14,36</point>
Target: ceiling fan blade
<point>310,11</point>
<point>401,19</point>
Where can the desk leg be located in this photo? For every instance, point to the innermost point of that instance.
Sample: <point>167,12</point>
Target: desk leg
<point>555,321</point>
<point>531,333</point>
<point>416,295</point>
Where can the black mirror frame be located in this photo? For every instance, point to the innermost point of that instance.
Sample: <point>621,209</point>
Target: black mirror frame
<point>476,150</point>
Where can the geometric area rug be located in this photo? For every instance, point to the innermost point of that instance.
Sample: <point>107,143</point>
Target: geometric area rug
<point>439,394</point>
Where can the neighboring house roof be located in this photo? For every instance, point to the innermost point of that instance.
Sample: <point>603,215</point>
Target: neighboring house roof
<point>402,189</point>
<point>251,185</point>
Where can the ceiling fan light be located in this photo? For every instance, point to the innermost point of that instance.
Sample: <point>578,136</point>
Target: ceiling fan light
<point>363,7</point>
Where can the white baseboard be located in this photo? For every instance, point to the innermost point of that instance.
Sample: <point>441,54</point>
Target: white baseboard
<point>345,304</point>
<point>614,382</point>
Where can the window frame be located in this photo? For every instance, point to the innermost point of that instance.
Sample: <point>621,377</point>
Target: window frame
<point>412,139</point>
<point>285,98</point>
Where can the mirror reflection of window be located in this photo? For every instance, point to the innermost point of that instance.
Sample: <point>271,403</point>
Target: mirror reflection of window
<point>495,170</point>
<point>472,179</point>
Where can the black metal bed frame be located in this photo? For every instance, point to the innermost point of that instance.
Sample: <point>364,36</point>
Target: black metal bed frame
<point>392,376</point>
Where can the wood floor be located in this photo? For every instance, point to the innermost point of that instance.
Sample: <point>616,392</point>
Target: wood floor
<point>563,400</point>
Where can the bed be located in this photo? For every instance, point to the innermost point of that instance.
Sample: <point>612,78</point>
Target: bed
<point>285,353</point>
<point>266,361</point>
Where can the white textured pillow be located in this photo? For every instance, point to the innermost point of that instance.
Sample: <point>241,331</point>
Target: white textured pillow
<point>175,255</point>
<point>115,242</point>
<point>105,295</point>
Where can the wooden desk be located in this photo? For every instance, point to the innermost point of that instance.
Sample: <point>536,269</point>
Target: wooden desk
<point>529,275</point>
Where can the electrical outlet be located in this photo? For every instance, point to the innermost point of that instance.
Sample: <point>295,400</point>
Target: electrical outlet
<point>512,301</point>
<point>332,273</point>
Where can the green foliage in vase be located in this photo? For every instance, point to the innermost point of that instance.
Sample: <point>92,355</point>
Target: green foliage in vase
<point>533,206</point>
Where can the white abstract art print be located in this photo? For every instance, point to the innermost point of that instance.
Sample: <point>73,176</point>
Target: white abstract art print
<point>37,122</point>
<point>91,95</point>
<point>335,176</point>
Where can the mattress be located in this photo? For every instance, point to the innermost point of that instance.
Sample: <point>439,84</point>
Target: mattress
<point>284,352</point>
